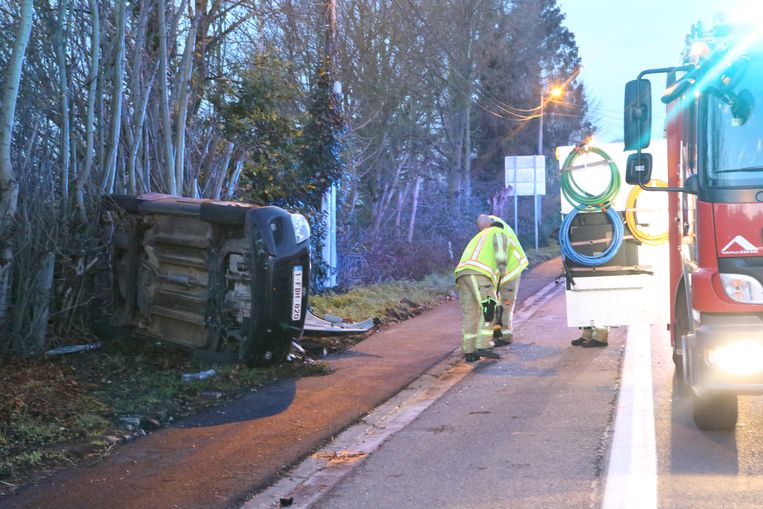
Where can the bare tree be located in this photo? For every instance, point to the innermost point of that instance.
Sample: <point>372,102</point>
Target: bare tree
<point>8,183</point>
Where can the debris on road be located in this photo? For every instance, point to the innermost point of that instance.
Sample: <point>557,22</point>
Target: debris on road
<point>317,326</point>
<point>201,375</point>
<point>339,456</point>
<point>74,349</point>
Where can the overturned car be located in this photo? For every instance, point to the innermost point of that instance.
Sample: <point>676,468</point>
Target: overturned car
<point>222,278</point>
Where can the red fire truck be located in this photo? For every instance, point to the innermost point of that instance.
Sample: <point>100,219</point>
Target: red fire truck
<point>715,163</point>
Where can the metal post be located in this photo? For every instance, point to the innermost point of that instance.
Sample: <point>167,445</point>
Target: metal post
<point>516,199</point>
<point>535,168</point>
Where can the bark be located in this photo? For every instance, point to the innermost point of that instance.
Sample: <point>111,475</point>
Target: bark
<point>8,184</point>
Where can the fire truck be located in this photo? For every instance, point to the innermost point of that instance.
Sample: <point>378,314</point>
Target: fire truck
<point>714,132</point>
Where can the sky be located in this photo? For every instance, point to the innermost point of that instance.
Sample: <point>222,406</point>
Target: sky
<point>617,39</point>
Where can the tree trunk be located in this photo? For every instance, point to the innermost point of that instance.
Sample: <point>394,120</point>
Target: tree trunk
<point>42,296</point>
<point>414,208</point>
<point>169,160</point>
<point>64,93</point>
<point>95,47</point>
<point>186,69</point>
<point>222,171</point>
<point>109,176</point>
<point>9,190</point>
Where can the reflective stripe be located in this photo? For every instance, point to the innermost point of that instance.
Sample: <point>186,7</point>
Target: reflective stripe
<point>479,265</point>
<point>511,275</point>
<point>478,248</point>
<point>475,290</point>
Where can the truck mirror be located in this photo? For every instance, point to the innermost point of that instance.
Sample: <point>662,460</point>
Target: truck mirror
<point>638,169</point>
<point>691,184</point>
<point>637,114</point>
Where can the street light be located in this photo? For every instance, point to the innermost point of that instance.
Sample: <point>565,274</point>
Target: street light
<point>554,93</point>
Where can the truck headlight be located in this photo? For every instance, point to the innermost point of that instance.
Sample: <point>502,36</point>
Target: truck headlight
<point>301,227</point>
<point>742,358</point>
<point>742,288</point>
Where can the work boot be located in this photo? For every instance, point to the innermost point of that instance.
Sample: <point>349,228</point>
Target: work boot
<point>586,335</point>
<point>593,343</point>
<point>471,357</point>
<point>488,354</point>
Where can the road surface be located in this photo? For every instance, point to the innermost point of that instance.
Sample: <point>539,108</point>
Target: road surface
<point>548,425</point>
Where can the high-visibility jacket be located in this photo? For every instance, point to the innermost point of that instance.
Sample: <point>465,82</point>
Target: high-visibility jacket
<point>480,254</point>
<point>516,260</point>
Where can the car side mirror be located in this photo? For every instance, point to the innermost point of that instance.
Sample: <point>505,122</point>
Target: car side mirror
<point>638,169</point>
<point>637,114</point>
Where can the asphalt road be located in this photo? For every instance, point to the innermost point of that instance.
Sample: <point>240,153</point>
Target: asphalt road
<point>548,425</point>
<point>219,458</point>
<point>530,430</point>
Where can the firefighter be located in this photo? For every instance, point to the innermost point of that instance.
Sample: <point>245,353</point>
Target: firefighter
<point>592,337</point>
<point>477,276</point>
<point>508,285</point>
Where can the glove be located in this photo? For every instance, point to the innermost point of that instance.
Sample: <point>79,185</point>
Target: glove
<point>488,308</point>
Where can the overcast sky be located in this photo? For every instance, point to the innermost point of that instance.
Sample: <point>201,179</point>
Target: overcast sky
<point>618,39</point>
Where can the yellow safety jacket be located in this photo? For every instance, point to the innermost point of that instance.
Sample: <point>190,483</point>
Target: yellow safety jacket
<point>516,260</point>
<point>480,256</point>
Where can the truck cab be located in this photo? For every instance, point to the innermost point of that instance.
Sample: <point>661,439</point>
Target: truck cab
<point>714,100</point>
<point>225,279</point>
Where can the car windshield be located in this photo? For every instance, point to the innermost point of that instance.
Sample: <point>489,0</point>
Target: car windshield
<point>734,156</point>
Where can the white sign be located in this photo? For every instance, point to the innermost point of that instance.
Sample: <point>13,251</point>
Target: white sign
<point>526,175</point>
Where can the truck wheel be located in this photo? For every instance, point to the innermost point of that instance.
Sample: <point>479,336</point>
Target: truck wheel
<point>230,215</point>
<point>716,413</point>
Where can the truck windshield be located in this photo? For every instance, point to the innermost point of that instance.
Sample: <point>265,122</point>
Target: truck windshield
<point>734,152</point>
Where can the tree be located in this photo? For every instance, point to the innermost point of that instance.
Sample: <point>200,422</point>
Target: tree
<point>8,183</point>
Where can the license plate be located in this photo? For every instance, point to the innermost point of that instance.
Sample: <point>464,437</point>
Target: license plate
<point>296,294</point>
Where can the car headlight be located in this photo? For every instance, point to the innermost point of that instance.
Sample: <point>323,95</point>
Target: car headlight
<point>742,288</point>
<point>742,358</point>
<point>301,227</point>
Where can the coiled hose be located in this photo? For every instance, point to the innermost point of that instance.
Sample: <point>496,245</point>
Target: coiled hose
<point>577,196</point>
<point>591,261</point>
<point>630,217</point>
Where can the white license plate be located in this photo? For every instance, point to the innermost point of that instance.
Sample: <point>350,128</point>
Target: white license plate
<point>296,294</point>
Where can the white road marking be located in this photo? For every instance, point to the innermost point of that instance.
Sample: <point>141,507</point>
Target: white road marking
<point>632,474</point>
<point>308,482</point>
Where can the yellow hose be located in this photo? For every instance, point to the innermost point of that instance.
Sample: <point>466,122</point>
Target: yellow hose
<point>630,217</point>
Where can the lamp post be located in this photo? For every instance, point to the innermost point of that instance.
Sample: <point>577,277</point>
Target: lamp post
<point>553,93</point>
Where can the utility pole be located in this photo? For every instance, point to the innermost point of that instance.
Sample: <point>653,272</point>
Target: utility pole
<point>328,204</point>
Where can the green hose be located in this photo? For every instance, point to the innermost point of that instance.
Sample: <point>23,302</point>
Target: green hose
<point>577,196</point>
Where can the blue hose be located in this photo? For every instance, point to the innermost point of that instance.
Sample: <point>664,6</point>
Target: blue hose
<point>591,261</point>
